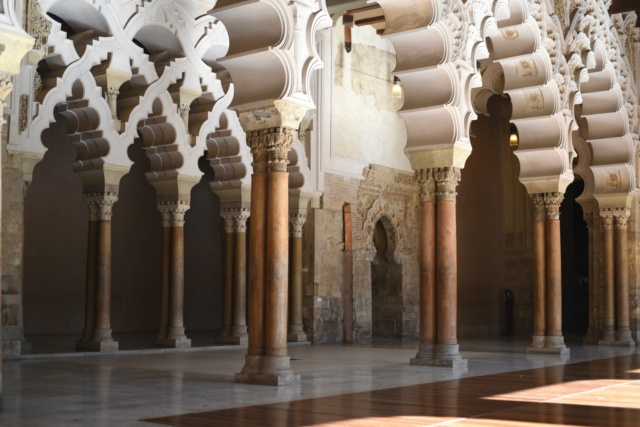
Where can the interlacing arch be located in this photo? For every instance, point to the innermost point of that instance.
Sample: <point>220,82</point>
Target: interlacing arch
<point>519,66</point>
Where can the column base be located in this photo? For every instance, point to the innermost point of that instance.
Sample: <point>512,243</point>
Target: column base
<point>272,370</point>
<point>172,342</point>
<point>537,342</point>
<point>624,336</point>
<point>552,345</point>
<point>231,340</point>
<point>616,343</point>
<point>425,352</point>
<point>297,337</point>
<point>443,355</point>
<point>14,344</point>
<point>592,337</point>
<point>607,336</point>
<point>101,346</point>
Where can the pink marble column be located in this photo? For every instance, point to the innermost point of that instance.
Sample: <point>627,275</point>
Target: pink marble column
<point>101,339</point>
<point>427,243</point>
<point>239,319</point>
<point>175,336</point>
<point>446,350</point>
<point>554,341</point>
<point>623,331</point>
<point>608,325</point>
<point>539,273</point>
<point>257,141</point>
<point>295,331</point>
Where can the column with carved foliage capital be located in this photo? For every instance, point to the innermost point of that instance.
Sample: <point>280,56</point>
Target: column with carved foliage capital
<point>447,180</point>
<point>296,223</point>
<point>552,202</point>
<point>279,142</point>
<point>101,205</point>
<point>427,184</point>
<point>539,212</point>
<point>173,213</point>
<point>257,141</point>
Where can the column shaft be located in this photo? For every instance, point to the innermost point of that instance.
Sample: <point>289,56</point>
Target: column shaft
<point>277,268</point>
<point>428,274</point>
<point>296,329</point>
<point>257,251</point>
<point>623,332</point>
<point>554,279</point>
<point>447,289</point>
<point>165,280</point>
<point>590,338</point>
<point>176,307</point>
<point>90,298</point>
<point>227,306</point>
<point>539,273</point>
<point>608,325</point>
<point>240,280</point>
<point>103,288</point>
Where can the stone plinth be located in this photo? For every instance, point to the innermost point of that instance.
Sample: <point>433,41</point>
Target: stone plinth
<point>101,346</point>
<point>618,343</point>
<point>267,370</point>
<point>233,340</point>
<point>548,345</point>
<point>173,342</point>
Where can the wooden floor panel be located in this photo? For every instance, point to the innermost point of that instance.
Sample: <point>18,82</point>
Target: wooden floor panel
<point>597,393</point>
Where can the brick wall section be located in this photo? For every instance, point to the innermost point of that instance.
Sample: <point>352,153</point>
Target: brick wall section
<point>383,193</point>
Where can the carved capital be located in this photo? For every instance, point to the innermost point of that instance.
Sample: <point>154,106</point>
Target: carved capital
<point>588,218</point>
<point>100,205</point>
<point>607,219</point>
<point>296,222</point>
<point>552,203</point>
<point>6,86</point>
<point>235,220</point>
<point>279,142</point>
<point>112,92</point>
<point>228,221</point>
<point>620,217</point>
<point>539,213</point>
<point>257,142</point>
<point>447,180</point>
<point>427,184</point>
<point>173,213</point>
<point>26,186</point>
<point>184,108</point>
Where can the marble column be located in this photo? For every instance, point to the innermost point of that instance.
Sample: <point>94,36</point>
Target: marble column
<point>257,141</point>
<point>554,341</point>
<point>227,305</point>
<point>608,322</point>
<point>592,334</point>
<point>165,266</point>
<point>623,331</point>
<point>539,273</point>
<point>446,350</point>
<point>296,330</point>
<point>239,320</point>
<point>427,242</point>
<point>174,336</point>
<point>97,333</point>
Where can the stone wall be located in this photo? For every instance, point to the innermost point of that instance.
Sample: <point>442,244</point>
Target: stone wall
<point>384,194</point>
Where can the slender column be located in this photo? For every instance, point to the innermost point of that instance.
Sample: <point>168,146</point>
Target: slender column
<point>166,272</point>
<point>554,339</point>
<point>239,325</point>
<point>101,339</point>
<point>227,306</point>
<point>591,338</point>
<point>277,266</point>
<point>608,326</point>
<point>446,348</point>
<point>427,243</point>
<point>257,141</point>
<point>539,278</point>
<point>296,330</point>
<point>90,296</point>
<point>175,336</point>
<point>623,332</point>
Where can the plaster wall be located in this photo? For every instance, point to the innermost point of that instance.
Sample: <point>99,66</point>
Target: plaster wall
<point>365,125</point>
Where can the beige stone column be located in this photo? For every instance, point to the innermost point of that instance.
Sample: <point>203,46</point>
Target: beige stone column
<point>446,349</point>
<point>608,323</point>
<point>175,336</point>
<point>427,242</point>
<point>539,273</point>
<point>554,342</point>
<point>296,330</point>
<point>623,331</point>
<point>227,305</point>
<point>99,272</point>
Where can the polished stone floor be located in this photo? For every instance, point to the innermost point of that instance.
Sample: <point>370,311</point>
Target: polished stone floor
<point>120,390</point>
